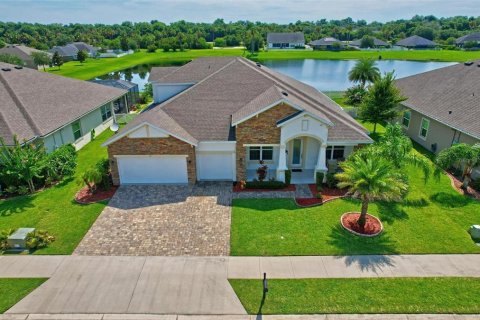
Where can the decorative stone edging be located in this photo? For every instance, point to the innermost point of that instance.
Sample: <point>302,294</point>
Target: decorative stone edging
<point>472,194</point>
<point>361,234</point>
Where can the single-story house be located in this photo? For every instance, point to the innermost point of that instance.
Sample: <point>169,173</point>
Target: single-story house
<point>54,110</point>
<point>23,52</point>
<point>217,117</point>
<point>122,105</point>
<point>327,43</point>
<point>443,106</point>
<point>91,50</point>
<point>472,37</point>
<point>285,40</point>
<point>377,43</point>
<point>67,52</point>
<point>416,42</point>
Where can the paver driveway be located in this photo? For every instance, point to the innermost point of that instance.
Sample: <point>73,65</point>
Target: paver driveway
<point>164,221</point>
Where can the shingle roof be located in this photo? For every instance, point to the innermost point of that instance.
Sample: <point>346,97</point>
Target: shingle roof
<point>19,50</point>
<point>84,46</point>
<point>416,41</point>
<point>376,42</point>
<point>455,88</point>
<point>236,91</point>
<point>157,73</point>
<point>285,37</point>
<point>324,41</point>
<point>68,50</point>
<point>34,103</point>
<point>469,37</point>
<point>121,84</point>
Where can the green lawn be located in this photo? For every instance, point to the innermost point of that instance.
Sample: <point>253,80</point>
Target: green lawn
<point>377,295</point>
<point>96,67</point>
<point>433,218</point>
<point>13,290</point>
<point>54,209</point>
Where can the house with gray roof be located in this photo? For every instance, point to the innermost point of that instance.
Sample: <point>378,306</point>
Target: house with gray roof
<point>443,106</point>
<point>416,42</point>
<point>285,40</point>
<point>22,52</point>
<point>377,43</point>
<point>472,37</point>
<point>67,52</point>
<point>216,118</point>
<point>54,110</point>
<point>327,43</point>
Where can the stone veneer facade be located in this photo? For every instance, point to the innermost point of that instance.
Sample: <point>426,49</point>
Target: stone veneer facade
<point>261,129</point>
<point>152,146</point>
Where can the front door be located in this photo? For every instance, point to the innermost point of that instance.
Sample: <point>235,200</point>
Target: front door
<point>297,153</point>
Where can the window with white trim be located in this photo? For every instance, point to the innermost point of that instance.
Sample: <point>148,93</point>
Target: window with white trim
<point>407,115</point>
<point>261,153</point>
<point>424,128</point>
<point>106,112</point>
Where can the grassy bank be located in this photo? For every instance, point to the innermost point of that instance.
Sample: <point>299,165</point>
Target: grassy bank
<point>379,295</point>
<point>54,209</point>
<point>13,290</point>
<point>96,67</point>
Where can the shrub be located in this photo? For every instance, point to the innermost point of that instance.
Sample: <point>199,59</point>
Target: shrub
<point>265,185</point>
<point>152,48</point>
<point>61,162</point>
<point>288,177</point>
<point>476,184</point>
<point>354,95</point>
<point>22,190</point>
<point>98,177</point>
<point>4,234</point>
<point>39,239</point>
<point>319,180</point>
<point>331,180</point>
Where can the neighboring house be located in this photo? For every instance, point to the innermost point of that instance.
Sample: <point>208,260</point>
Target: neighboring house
<point>473,38</point>
<point>377,43</point>
<point>67,52</point>
<point>416,42</point>
<point>286,40</point>
<point>91,50</point>
<point>216,118</point>
<point>123,104</point>
<point>328,43</point>
<point>23,52</point>
<point>114,53</point>
<point>41,107</point>
<point>443,106</point>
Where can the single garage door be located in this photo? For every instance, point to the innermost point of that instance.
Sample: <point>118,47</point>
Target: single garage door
<point>215,166</point>
<point>153,169</point>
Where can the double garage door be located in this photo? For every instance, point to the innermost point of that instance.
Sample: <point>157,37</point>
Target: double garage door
<point>153,169</point>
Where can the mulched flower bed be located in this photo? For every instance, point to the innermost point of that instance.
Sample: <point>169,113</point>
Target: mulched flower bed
<point>373,226</point>
<point>308,202</point>
<point>457,185</point>
<point>328,194</point>
<point>236,188</point>
<point>84,196</point>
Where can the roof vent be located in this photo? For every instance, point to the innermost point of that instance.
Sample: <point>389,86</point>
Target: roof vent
<point>285,93</point>
<point>259,65</point>
<point>18,67</point>
<point>6,69</point>
<point>449,111</point>
<point>468,63</point>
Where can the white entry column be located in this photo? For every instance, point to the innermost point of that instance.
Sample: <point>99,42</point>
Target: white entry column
<point>282,163</point>
<point>322,160</point>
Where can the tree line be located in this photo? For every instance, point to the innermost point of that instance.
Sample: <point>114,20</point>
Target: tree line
<point>188,35</point>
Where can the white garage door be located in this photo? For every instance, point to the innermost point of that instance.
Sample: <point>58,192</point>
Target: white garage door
<point>153,169</point>
<point>215,166</point>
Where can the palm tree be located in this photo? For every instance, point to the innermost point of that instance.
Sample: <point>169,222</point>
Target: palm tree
<point>365,70</point>
<point>459,155</point>
<point>371,178</point>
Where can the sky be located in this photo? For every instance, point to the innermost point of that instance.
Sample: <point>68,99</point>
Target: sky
<point>279,11</point>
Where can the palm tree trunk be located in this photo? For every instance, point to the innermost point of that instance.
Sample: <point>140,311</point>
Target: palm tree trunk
<point>466,176</point>
<point>363,214</point>
<point>31,186</point>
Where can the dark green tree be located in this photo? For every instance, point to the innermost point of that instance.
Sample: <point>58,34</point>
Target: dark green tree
<point>57,60</point>
<point>41,59</point>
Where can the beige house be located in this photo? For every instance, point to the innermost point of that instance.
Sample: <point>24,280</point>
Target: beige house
<point>22,52</point>
<point>216,118</point>
<point>443,106</point>
<point>41,107</point>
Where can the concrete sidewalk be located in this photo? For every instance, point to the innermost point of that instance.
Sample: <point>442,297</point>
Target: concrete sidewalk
<point>238,317</point>
<point>194,285</point>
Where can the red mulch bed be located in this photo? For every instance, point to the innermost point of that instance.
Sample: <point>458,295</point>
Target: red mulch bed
<point>84,196</point>
<point>372,228</point>
<point>457,185</point>
<point>328,194</point>
<point>236,188</point>
<point>308,202</point>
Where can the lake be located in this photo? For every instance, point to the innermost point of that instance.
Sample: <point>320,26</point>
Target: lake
<point>325,75</point>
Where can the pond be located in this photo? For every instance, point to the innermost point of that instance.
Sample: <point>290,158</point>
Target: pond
<point>325,75</point>
<point>332,75</point>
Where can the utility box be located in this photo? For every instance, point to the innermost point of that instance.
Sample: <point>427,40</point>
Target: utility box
<point>475,231</point>
<point>18,239</point>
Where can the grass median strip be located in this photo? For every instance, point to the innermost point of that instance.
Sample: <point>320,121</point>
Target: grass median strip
<point>13,290</point>
<point>360,295</point>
